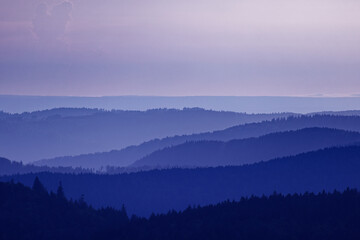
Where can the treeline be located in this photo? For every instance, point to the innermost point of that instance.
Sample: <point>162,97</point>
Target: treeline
<point>35,214</point>
<point>306,216</point>
<point>8,167</point>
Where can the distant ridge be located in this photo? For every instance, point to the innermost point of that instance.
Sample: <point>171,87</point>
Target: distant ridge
<point>249,150</point>
<point>8,167</point>
<point>338,113</point>
<point>249,104</point>
<point>64,131</point>
<point>129,155</point>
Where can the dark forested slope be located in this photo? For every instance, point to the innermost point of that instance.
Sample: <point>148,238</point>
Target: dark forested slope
<point>35,214</point>
<point>162,190</point>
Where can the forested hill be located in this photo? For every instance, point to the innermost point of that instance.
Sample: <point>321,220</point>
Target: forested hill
<point>46,134</point>
<point>309,216</point>
<point>8,167</point>
<point>33,214</point>
<point>249,150</point>
<point>50,113</point>
<point>162,190</point>
<point>131,154</point>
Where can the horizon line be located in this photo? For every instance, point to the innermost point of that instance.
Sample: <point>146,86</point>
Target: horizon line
<point>185,96</point>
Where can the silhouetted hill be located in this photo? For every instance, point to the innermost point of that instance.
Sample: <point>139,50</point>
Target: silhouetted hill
<point>60,132</point>
<point>34,214</point>
<point>8,167</point>
<point>249,150</point>
<point>129,155</point>
<point>161,190</point>
<point>309,216</point>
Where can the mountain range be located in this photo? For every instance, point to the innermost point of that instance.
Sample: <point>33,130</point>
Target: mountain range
<point>129,155</point>
<point>60,132</point>
<point>162,190</point>
<point>249,150</point>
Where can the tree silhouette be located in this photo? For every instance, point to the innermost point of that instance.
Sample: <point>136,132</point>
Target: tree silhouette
<point>38,187</point>
<point>60,191</point>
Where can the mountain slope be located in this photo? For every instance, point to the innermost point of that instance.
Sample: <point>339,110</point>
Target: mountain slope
<point>59,132</point>
<point>34,214</point>
<point>129,155</point>
<point>162,190</point>
<point>250,150</point>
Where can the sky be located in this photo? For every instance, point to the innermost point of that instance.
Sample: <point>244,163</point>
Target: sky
<point>180,48</point>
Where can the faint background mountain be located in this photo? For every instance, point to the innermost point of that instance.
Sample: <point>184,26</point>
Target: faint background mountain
<point>55,112</point>
<point>338,113</point>
<point>250,104</point>
<point>127,156</point>
<point>32,136</point>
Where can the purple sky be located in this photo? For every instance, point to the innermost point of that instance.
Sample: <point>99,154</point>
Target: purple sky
<point>187,47</point>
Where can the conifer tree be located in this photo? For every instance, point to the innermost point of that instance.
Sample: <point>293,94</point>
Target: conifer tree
<point>39,187</point>
<point>60,191</point>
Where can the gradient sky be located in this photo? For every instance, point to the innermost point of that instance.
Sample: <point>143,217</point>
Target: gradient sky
<point>187,47</point>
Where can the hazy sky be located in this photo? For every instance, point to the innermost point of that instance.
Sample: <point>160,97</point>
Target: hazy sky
<point>180,47</point>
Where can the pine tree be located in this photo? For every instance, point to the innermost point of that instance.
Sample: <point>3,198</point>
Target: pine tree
<point>60,191</point>
<point>123,211</point>
<point>38,187</point>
